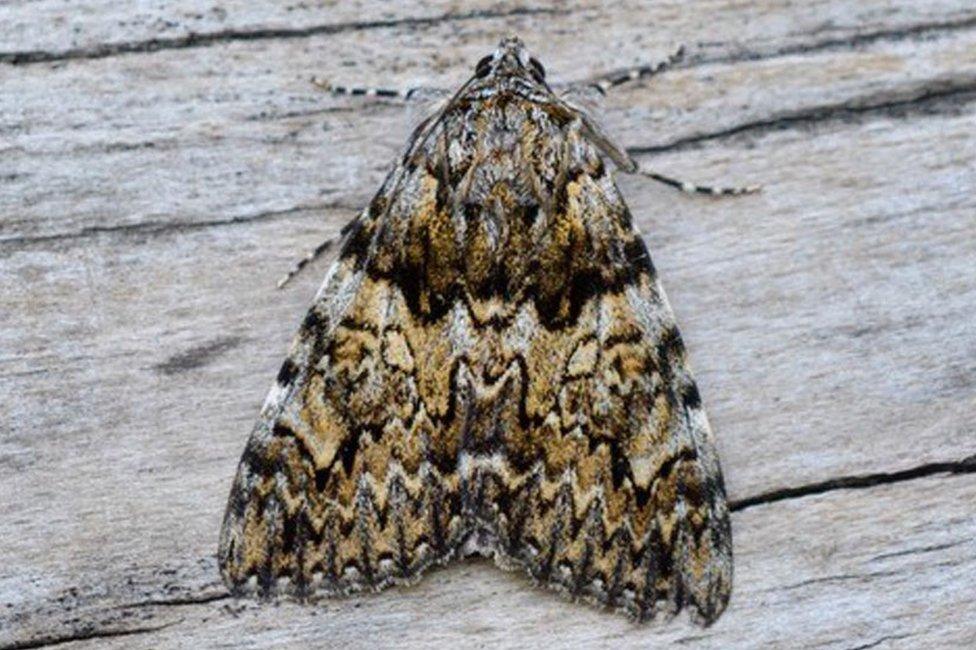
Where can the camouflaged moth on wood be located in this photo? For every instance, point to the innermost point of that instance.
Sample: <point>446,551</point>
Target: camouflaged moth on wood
<point>490,367</point>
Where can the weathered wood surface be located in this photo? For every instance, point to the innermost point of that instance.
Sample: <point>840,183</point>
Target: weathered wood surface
<point>161,166</point>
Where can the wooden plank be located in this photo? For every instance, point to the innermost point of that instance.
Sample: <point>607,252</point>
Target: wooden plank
<point>33,31</point>
<point>148,203</point>
<point>135,361</point>
<point>236,131</point>
<point>53,29</point>
<point>891,566</point>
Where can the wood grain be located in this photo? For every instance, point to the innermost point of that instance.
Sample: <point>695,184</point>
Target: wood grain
<point>150,197</point>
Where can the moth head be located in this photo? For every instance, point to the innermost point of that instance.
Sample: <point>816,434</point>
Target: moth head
<point>510,59</point>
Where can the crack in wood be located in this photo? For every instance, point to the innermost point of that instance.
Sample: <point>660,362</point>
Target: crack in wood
<point>880,640</point>
<point>86,635</point>
<point>845,577</point>
<point>926,98</point>
<point>179,602</point>
<point>163,227</point>
<point>917,31</point>
<point>857,482</point>
<point>917,550</point>
<point>205,39</point>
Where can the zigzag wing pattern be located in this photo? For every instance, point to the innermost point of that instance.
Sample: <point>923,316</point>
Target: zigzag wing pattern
<point>490,367</point>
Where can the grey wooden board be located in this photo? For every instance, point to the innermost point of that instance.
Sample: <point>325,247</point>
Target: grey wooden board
<point>149,200</point>
<point>79,137</point>
<point>51,29</point>
<point>838,570</point>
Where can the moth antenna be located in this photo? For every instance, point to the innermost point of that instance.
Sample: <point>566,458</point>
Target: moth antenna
<point>692,188</point>
<point>370,91</point>
<point>610,80</point>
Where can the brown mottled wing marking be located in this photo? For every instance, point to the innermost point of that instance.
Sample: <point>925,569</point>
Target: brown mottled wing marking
<point>348,481</point>
<point>490,367</point>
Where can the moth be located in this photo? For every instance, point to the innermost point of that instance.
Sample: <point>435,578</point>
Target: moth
<point>490,367</point>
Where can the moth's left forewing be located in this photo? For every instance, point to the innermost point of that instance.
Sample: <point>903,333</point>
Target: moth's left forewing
<point>267,524</point>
